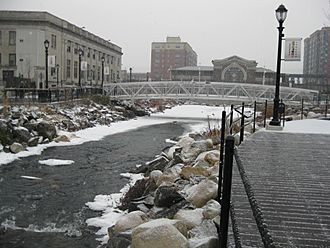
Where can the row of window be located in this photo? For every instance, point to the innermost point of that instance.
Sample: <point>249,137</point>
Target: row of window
<point>93,73</point>
<point>12,38</point>
<point>91,53</point>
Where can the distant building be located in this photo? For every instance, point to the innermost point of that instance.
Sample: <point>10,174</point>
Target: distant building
<point>317,59</point>
<point>22,51</point>
<point>232,69</point>
<point>169,55</point>
<point>193,73</point>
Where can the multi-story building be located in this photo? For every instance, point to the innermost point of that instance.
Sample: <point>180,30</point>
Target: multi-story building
<point>317,58</point>
<point>23,56</point>
<point>169,55</point>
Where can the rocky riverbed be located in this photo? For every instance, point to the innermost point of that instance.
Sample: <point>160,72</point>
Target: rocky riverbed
<point>27,126</point>
<point>175,202</point>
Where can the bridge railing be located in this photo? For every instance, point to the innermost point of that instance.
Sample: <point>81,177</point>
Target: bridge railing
<point>205,90</point>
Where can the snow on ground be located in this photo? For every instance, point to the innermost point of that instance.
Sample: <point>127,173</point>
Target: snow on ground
<point>54,162</point>
<point>307,126</point>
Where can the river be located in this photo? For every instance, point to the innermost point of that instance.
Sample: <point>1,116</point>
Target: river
<point>51,212</point>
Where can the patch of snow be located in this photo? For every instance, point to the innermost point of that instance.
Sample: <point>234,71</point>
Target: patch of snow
<point>54,162</point>
<point>31,178</point>
<point>307,126</point>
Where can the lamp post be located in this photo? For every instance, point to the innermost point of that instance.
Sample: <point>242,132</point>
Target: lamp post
<point>102,59</point>
<point>79,64</point>
<point>130,74</point>
<point>46,44</point>
<point>281,14</point>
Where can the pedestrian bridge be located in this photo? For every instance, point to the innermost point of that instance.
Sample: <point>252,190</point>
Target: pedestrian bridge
<point>205,91</point>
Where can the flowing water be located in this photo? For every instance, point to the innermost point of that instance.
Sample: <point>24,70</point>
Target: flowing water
<point>51,212</point>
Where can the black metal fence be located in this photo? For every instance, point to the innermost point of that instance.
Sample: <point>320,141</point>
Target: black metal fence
<point>19,95</point>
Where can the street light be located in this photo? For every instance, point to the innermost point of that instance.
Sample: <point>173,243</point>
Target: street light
<point>281,14</point>
<point>102,59</point>
<point>46,44</point>
<point>130,74</point>
<point>79,71</point>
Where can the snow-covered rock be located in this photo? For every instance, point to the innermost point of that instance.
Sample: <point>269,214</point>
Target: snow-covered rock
<point>211,209</point>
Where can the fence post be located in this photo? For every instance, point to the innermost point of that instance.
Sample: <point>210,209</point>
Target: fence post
<point>222,144</point>
<point>302,108</point>
<point>254,116</point>
<point>241,134</point>
<point>326,108</point>
<point>283,115</point>
<point>231,118</point>
<point>225,202</point>
<point>265,114</point>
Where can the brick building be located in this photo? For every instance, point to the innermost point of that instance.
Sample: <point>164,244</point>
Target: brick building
<point>169,55</point>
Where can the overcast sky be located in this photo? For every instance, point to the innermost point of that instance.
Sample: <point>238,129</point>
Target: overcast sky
<point>214,28</point>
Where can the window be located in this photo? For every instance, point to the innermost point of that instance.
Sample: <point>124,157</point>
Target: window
<point>68,48</point>
<point>88,71</point>
<point>12,59</point>
<point>68,68</point>
<point>112,59</point>
<point>75,69</point>
<point>93,72</point>
<point>118,62</point>
<point>53,41</point>
<point>108,59</point>
<point>94,54</point>
<point>12,37</point>
<point>52,71</point>
<point>89,53</point>
<point>98,73</point>
<point>0,38</point>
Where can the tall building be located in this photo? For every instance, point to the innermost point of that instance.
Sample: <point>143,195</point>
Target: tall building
<point>169,55</point>
<point>22,51</point>
<point>317,58</point>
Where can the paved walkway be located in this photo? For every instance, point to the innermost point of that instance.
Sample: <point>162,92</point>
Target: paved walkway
<point>289,179</point>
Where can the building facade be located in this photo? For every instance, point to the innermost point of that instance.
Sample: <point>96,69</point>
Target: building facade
<point>317,59</point>
<point>169,55</point>
<point>22,52</point>
<point>232,69</point>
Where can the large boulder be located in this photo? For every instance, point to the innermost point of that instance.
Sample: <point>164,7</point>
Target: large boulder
<point>191,217</point>
<point>178,224</point>
<point>159,237</point>
<point>130,220</point>
<point>46,129</point>
<point>21,134</point>
<point>211,157</point>
<point>201,193</point>
<point>34,141</point>
<point>16,148</point>
<point>166,196</point>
